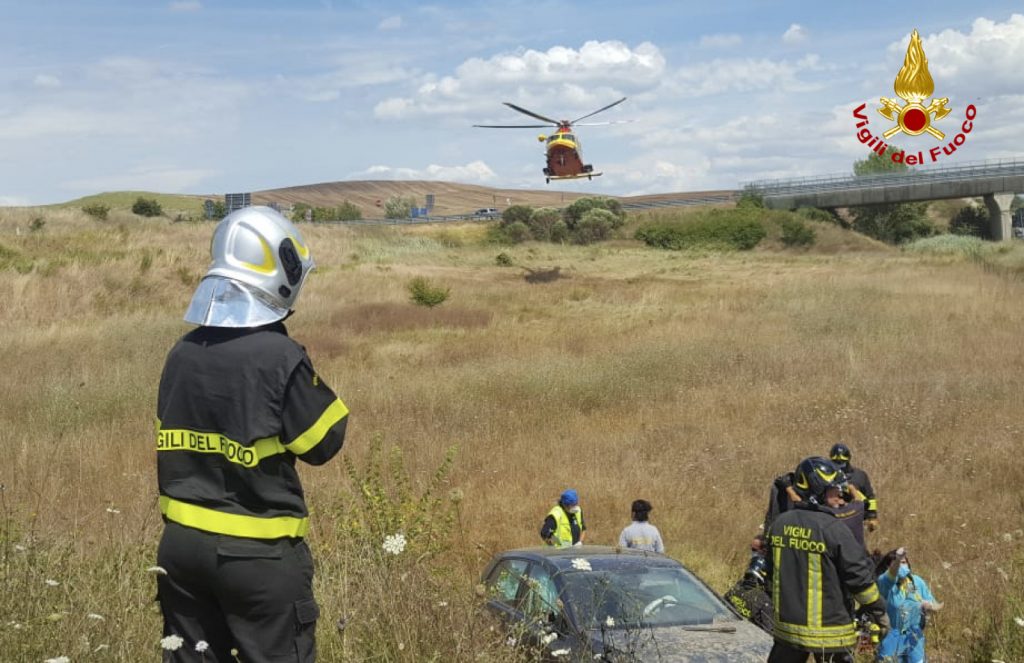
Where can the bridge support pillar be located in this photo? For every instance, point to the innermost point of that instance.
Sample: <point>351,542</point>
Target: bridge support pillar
<point>999,218</point>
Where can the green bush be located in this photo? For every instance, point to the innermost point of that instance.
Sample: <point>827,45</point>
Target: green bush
<point>949,245</point>
<point>724,229</point>
<point>542,221</point>
<point>575,212</point>
<point>972,221</point>
<point>517,232</point>
<point>796,233</point>
<point>97,211</point>
<point>750,199</point>
<point>398,207</point>
<point>594,226</point>
<point>424,293</point>
<point>516,214</point>
<point>815,214</point>
<point>37,224</point>
<point>559,231</point>
<point>503,260</point>
<point>147,207</point>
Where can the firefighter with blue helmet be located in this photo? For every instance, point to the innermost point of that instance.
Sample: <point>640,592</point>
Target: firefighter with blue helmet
<point>238,404</point>
<point>816,571</point>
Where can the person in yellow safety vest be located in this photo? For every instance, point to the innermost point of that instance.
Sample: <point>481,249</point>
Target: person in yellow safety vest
<point>238,404</point>
<point>564,525</point>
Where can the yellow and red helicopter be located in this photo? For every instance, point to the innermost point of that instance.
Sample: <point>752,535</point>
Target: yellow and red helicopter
<point>565,161</point>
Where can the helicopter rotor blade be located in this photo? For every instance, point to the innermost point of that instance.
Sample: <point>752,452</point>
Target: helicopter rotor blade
<point>601,124</point>
<point>532,114</point>
<point>512,126</point>
<point>599,110</point>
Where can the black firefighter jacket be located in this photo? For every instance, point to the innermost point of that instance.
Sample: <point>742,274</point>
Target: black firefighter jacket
<point>816,569</point>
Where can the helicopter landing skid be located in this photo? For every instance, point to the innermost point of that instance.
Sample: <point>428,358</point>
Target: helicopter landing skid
<point>574,177</point>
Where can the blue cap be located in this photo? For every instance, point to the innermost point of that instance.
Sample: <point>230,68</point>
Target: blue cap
<point>569,498</point>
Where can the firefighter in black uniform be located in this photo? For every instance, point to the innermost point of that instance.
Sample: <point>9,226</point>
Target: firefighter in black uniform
<point>238,403</point>
<point>840,455</point>
<point>816,570</point>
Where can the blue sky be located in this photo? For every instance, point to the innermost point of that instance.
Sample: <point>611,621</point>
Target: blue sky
<point>206,96</point>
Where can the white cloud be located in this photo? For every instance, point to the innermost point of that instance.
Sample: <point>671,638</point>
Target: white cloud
<point>164,179</point>
<point>46,81</point>
<point>185,6</point>
<point>390,23</point>
<point>986,61</point>
<point>795,34</point>
<point>594,75</point>
<point>745,75</point>
<point>476,171</point>
<point>720,41</point>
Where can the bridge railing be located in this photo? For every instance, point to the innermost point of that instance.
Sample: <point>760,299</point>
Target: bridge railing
<point>840,182</point>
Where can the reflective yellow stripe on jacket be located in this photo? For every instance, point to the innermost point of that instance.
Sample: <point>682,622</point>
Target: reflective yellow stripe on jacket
<point>334,413</point>
<point>232,524</point>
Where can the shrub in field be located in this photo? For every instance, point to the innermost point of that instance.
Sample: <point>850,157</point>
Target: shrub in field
<point>559,231</point>
<point>949,245</point>
<point>147,207</point>
<point>517,232</point>
<point>724,229</point>
<point>398,207</point>
<point>37,224</point>
<point>796,233</point>
<point>542,221</point>
<point>578,209</point>
<point>750,199</point>
<point>503,260</point>
<point>424,293</point>
<point>971,220</point>
<point>815,214</point>
<point>97,211</point>
<point>516,214</point>
<point>594,226</point>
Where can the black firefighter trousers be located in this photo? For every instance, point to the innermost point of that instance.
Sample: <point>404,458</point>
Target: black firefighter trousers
<point>251,595</point>
<point>785,653</point>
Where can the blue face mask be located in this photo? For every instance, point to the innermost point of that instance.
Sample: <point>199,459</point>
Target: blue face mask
<point>904,571</point>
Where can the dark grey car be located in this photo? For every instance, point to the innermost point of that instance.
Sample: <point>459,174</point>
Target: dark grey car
<point>611,604</point>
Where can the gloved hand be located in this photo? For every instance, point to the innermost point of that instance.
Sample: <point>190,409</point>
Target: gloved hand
<point>872,524</point>
<point>876,612</point>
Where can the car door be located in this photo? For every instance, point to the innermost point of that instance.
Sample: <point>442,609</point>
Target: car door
<point>547,627</point>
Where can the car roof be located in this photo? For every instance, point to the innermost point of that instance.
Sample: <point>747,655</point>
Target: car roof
<point>563,557</point>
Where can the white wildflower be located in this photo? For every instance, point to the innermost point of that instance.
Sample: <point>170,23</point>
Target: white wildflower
<point>558,653</point>
<point>51,583</point>
<point>548,639</point>
<point>1007,537</point>
<point>581,564</point>
<point>19,548</point>
<point>172,642</point>
<point>947,565</point>
<point>159,570</point>
<point>511,641</point>
<point>609,621</point>
<point>202,646</point>
<point>442,604</point>
<point>93,615</point>
<point>394,544</point>
<point>1020,621</point>
<point>401,646</point>
<point>58,659</point>
<point>110,510</point>
<point>16,626</point>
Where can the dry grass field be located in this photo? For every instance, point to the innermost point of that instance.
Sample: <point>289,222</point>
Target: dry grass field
<point>688,379</point>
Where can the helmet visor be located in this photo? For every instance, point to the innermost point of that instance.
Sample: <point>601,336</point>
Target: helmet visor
<point>224,302</point>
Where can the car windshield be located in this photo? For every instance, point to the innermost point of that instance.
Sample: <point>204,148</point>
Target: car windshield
<point>627,597</point>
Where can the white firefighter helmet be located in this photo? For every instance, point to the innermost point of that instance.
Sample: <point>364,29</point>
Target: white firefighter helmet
<point>260,262</point>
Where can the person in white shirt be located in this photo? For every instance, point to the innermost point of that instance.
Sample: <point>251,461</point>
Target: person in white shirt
<point>640,534</point>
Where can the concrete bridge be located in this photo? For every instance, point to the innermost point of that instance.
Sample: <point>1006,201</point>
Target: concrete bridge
<point>994,181</point>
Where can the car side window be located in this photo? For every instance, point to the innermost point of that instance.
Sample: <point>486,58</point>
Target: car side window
<point>505,579</point>
<point>541,598</point>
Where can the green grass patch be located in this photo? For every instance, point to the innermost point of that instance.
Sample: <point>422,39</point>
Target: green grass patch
<point>736,229</point>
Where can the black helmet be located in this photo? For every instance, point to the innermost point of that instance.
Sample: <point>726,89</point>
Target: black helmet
<point>814,476</point>
<point>755,572</point>
<point>840,455</point>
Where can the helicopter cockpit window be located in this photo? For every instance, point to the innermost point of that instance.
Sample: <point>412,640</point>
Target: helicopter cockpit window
<point>568,137</point>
